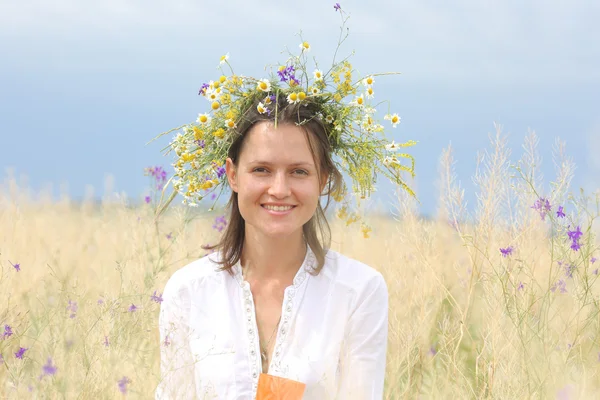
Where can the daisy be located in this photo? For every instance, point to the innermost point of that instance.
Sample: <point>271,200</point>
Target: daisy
<point>261,108</point>
<point>394,119</point>
<point>315,91</point>
<point>329,119</point>
<point>359,101</point>
<point>263,85</point>
<point>203,118</point>
<point>392,146</point>
<point>305,46</point>
<point>369,80</point>
<point>293,98</point>
<point>390,160</point>
<point>224,59</point>
<point>212,95</point>
<point>370,92</point>
<point>318,75</point>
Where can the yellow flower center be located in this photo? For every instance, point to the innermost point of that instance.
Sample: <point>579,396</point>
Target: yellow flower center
<point>293,97</point>
<point>268,100</point>
<point>369,81</point>
<point>301,96</point>
<point>395,119</point>
<point>306,45</point>
<point>230,124</point>
<point>223,58</point>
<point>260,109</point>
<point>222,79</point>
<point>203,119</point>
<point>360,101</point>
<point>263,85</point>
<point>215,105</point>
<point>370,91</point>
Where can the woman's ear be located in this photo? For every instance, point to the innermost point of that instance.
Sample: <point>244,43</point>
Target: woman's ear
<point>231,172</point>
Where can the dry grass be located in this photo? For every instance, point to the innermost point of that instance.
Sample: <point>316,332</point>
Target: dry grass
<point>465,322</point>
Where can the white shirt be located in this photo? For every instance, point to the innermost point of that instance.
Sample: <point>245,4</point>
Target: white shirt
<point>332,335</point>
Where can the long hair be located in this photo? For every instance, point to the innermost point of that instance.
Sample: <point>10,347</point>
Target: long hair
<point>316,231</point>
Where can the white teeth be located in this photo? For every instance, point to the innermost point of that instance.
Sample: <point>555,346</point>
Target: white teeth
<point>278,208</point>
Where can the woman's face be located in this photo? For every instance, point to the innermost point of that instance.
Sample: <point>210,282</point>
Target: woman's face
<point>275,179</point>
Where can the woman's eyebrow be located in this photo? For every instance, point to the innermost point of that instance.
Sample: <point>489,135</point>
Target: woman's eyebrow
<point>296,164</point>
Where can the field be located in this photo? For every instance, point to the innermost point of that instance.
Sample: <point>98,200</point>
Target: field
<point>502,304</point>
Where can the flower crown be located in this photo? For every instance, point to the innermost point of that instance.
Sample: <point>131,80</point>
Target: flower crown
<point>343,105</point>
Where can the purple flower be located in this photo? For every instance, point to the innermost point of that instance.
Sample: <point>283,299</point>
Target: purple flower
<point>17,266</point>
<point>100,301</point>
<point>220,172</point>
<point>105,343</point>
<point>220,223</point>
<point>273,98</point>
<point>595,272</point>
<point>169,235</point>
<point>7,332</point>
<point>147,199</point>
<point>132,308</point>
<point>200,142</point>
<point>432,350</point>
<point>157,298</point>
<point>337,7</point>
<point>542,205</point>
<point>159,175</point>
<point>19,354</point>
<point>560,212</point>
<point>213,196</point>
<point>560,285</point>
<point>574,236</point>
<point>569,270</point>
<point>123,384</point>
<point>287,74</point>
<point>593,260</point>
<point>167,341</point>
<point>203,88</point>
<point>72,307</point>
<point>507,251</point>
<point>48,368</point>
<point>521,286</point>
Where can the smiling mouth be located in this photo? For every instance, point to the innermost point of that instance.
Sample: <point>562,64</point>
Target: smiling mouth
<point>278,208</point>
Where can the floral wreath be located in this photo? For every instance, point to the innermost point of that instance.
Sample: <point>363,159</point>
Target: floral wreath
<point>344,107</point>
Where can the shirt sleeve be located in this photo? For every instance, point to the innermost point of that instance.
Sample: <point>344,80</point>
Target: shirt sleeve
<point>363,355</point>
<point>176,361</point>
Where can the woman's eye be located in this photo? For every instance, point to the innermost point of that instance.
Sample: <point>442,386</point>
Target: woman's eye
<point>259,169</point>
<point>301,171</point>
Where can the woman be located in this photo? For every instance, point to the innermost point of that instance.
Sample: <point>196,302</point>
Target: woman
<point>273,302</point>
<point>274,299</point>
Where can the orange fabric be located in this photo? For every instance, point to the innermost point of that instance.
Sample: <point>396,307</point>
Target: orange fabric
<point>272,387</point>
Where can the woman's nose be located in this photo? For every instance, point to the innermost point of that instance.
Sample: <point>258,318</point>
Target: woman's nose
<point>279,186</point>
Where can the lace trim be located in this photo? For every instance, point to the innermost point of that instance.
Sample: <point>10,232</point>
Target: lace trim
<point>288,307</point>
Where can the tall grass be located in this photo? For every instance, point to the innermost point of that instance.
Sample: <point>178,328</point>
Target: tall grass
<point>466,320</point>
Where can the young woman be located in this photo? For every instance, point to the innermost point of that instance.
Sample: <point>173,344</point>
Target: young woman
<point>273,298</point>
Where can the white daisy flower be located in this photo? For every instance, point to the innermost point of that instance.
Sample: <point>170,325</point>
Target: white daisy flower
<point>293,98</point>
<point>318,75</point>
<point>230,124</point>
<point>203,118</point>
<point>305,46</point>
<point>370,93</point>
<point>224,59</point>
<point>392,146</point>
<point>394,119</point>
<point>212,95</point>
<point>261,108</point>
<point>329,119</point>
<point>359,101</point>
<point>369,80</point>
<point>264,85</point>
<point>390,160</point>
<point>314,91</point>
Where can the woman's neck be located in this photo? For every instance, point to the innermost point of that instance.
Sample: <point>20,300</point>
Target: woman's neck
<point>272,259</point>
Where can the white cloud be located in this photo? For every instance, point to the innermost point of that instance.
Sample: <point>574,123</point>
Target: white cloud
<point>512,41</point>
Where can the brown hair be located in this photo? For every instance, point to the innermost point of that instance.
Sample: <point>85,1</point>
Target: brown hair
<point>306,116</point>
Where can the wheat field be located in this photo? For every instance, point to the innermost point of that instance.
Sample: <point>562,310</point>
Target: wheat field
<point>498,303</point>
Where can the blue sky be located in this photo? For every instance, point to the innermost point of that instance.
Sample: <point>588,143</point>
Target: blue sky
<point>84,85</point>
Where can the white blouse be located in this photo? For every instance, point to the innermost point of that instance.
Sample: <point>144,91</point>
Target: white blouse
<point>332,335</point>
